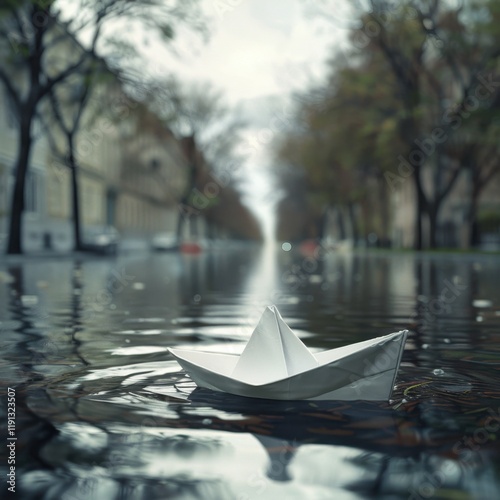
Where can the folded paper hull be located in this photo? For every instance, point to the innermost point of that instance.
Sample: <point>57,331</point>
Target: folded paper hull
<point>364,371</point>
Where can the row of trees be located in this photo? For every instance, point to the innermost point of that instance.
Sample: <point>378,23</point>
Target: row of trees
<point>414,100</point>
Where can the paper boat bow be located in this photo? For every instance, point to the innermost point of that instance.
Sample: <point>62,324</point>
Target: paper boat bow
<point>275,364</point>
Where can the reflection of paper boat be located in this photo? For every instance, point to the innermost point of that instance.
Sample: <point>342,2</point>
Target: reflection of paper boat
<point>275,364</point>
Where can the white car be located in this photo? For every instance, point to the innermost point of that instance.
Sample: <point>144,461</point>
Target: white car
<point>102,240</point>
<point>164,242</point>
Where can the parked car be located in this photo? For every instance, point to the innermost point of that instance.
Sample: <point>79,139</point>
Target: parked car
<point>164,242</point>
<point>102,240</point>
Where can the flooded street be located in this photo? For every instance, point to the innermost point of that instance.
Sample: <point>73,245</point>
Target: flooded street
<point>104,412</point>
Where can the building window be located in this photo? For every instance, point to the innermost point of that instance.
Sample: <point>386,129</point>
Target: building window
<point>31,193</point>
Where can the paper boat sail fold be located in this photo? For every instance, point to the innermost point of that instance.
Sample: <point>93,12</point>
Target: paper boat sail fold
<point>275,364</point>
<point>273,352</point>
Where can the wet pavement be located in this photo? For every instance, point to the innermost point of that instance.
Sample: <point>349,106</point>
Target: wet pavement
<point>102,410</point>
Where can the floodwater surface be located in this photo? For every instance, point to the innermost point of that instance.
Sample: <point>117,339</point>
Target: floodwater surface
<point>102,411</point>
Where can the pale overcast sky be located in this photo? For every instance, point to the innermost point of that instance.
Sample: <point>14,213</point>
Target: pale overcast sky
<point>256,48</point>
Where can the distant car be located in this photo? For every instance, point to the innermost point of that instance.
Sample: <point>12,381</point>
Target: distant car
<point>164,242</point>
<point>102,240</point>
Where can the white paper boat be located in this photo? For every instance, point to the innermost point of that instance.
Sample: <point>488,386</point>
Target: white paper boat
<point>275,364</point>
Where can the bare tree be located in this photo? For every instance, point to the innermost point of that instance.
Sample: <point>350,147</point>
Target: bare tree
<point>67,105</point>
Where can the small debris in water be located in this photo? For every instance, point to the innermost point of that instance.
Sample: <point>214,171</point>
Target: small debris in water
<point>438,371</point>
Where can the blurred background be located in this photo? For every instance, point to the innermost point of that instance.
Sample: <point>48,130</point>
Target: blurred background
<point>127,125</point>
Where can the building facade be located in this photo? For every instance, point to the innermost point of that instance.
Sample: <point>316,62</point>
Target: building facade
<point>130,176</point>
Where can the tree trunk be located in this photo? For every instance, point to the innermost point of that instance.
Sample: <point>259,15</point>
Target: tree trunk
<point>193,226</point>
<point>75,199</point>
<point>340,222</point>
<point>180,224</point>
<point>474,238</point>
<point>432,214</point>
<point>186,211</point>
<point>352,220</point>
<point>17,205</point>
<point>421,209</point>
<point>321,224</point>
<point>385,237</point>
<point>417,242</point>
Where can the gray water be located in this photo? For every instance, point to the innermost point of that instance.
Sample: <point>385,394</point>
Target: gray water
<point>103,412</point>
